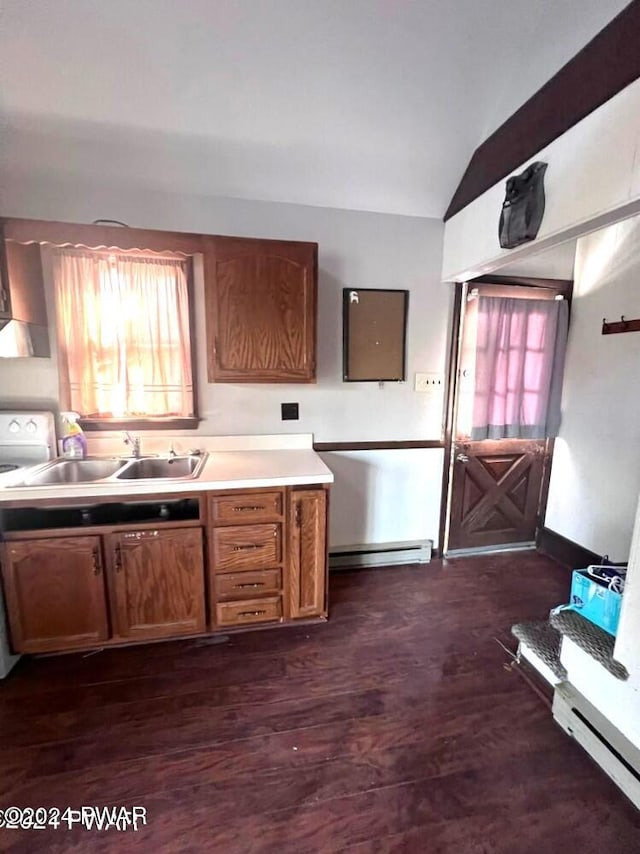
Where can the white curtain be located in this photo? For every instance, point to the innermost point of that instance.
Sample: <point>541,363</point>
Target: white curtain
<point>519,362</point>
<point>123,324</point>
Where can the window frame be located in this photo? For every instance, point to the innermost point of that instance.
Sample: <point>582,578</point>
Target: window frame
<point>157,422</point>
<point>98,236</point>
<point>496,286</point>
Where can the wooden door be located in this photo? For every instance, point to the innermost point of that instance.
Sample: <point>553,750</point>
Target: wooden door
<point>157,582</point>
<point>55,593</point>
<point>496,492</point>
<point>307,553</point>
<point>261,310</point>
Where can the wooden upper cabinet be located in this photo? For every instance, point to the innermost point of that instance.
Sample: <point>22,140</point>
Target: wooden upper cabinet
<point>5,292</point>
<point>261,310</point>
<point>22,296</point>
<point>307,569</point>
<point>157,582</point>
<point>55,593</point>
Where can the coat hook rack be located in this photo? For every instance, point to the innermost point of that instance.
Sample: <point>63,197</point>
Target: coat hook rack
<point>617,326</point>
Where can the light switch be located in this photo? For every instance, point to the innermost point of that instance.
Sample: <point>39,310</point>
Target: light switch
<point>430,381</point>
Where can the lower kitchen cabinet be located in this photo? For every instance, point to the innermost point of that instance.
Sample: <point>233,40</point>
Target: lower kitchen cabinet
<point>55,593</point>
<point>157,583</point>
<point>307,553</point>
<point>120,582</point>
<point>271,548</point>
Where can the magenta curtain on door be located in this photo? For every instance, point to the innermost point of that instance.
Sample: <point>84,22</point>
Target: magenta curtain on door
<point>520,350</point>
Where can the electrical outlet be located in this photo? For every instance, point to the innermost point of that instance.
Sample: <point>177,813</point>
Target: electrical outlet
<point>289,411</point>
<point>430,381</point>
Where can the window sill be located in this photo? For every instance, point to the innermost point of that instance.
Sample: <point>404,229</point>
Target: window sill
<point>96,424</point>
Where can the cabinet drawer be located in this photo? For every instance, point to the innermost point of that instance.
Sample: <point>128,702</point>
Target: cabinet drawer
<point>240,547</point>
<point>238,509</point>
<point>249,611</point>
<point>264,582</point>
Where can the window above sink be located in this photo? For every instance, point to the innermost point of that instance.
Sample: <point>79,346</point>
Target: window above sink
<point>124,336</point>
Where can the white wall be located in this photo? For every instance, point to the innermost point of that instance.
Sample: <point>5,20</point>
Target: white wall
<point>355,250</point>
<point>405,486</point>
<point>595,478</point>
<point>593,176</point>
<point>555,263</point>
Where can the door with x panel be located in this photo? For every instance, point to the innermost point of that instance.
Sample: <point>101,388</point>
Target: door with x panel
<point>507,396</point>
<point>496,492</point>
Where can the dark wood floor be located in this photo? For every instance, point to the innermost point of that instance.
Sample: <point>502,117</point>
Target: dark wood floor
<point>393,727</point>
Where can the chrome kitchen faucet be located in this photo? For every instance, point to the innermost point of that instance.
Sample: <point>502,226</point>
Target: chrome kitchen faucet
<point>134,441</point>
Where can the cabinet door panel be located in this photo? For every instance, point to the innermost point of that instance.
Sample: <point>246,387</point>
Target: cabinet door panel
<point>55,593</point>
<point>307,553</point>
<point>261,307</point>
<point>158,582</point>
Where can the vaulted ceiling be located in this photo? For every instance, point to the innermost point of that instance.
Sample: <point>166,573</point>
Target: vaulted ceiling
<point>364,104</point>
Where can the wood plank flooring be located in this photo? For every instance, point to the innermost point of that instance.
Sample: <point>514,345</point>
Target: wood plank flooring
<point>394,727</point>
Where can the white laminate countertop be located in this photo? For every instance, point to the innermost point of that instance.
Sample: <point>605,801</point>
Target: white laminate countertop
<point>256,462</point>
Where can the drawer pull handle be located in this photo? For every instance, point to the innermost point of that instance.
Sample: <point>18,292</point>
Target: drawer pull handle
<point>248,547</point>
<point>255,584</point>
<point>248,507</point>
<point>140,535</point>
<point>118,559</point>
<point>251,613</point>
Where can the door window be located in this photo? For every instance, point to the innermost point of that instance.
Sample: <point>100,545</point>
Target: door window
<point>512,360</point>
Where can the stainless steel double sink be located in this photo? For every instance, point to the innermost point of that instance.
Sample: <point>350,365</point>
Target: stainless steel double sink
<point>101,469</point>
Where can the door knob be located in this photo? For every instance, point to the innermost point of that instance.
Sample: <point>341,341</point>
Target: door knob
<point>462,458</point>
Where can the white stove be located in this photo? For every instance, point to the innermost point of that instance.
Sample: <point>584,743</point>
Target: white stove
<point>26,439</point>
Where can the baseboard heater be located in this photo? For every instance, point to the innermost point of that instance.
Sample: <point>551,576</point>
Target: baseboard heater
<point>380,554</point>
<point>613,752</point>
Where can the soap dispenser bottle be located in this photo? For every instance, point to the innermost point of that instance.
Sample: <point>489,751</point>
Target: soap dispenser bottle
<point>74,442</point>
